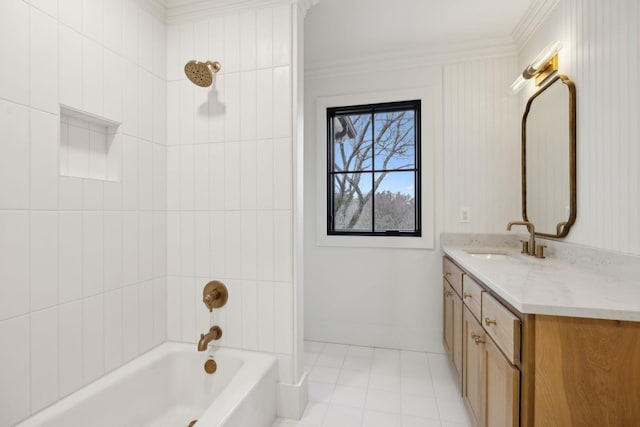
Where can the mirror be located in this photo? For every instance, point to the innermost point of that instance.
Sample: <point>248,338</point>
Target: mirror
<point>549,158</point>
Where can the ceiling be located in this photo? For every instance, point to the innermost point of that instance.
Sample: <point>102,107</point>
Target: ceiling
<point>338,30</point>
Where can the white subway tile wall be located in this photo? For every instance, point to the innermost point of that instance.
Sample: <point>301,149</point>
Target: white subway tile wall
<point>82,260</point>
<point>229,180</point>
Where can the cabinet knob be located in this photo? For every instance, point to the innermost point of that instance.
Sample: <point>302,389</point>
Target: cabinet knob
<point>467,295</point>
<point>489,322</point>
<point>477,338</point>
<point>447,274</point>
<point>448,293</point>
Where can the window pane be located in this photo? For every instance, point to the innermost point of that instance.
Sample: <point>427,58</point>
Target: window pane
<point>352,146</point>
<point>352,202</point>
<point>395,140</point>
<point>395,201</point>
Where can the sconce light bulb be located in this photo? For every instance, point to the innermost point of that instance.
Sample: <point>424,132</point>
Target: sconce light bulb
<point>544,56</point>
<point>518,84</point>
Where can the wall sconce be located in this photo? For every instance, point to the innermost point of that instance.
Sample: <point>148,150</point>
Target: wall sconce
<point>545,64</point>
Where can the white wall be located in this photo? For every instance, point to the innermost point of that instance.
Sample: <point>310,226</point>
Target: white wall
<point>600,53</point>
<point>230,179</point>
<point>82,261</point>
<point>392,297</point>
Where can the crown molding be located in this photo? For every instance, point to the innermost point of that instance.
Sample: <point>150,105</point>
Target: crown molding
<point>180,10</point>
<point>406,59</point>
<point>537,13</point>
<point>156,7</point>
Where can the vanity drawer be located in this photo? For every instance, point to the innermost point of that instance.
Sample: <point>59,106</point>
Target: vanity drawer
<point>503,326</point>
<point>472,295</point>
<point>453,274</point>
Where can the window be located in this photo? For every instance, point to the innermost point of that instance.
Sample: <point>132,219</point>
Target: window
<point>373,169</point>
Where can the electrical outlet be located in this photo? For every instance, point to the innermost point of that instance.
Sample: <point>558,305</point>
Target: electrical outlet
<point>465,215</point>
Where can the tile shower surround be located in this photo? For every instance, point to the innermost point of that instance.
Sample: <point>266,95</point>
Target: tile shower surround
<point>82,261</point>
<point>229,181</point>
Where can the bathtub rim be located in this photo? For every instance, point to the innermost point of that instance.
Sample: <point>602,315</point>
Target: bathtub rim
<point>219,411</point>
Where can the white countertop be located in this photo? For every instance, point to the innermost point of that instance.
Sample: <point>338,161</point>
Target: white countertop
<point>548,286</point>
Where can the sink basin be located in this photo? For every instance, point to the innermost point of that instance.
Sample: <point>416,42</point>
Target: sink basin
<point>488,255</point>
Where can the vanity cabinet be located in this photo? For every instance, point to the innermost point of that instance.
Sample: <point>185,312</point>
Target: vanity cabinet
<point>452,315</point>
<point>540,370</point>
<point>491,384</point>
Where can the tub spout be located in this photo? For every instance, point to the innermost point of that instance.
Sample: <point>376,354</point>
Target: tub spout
<point>214,334</point>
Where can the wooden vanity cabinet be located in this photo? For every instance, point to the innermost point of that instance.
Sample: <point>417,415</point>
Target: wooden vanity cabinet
<point>452,315</point>
<point>490,380</point>
<point>533,370</point>
<point>473,367</point>
<point>491,385</point>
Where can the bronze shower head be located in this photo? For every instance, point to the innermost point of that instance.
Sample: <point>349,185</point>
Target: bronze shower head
<point>201,73</point>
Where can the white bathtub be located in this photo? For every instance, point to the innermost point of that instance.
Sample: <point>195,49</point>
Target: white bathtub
<point>169,387</point>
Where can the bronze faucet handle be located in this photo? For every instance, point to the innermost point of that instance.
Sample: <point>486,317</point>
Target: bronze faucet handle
<point>540,251</point>
<point>525,246</point>
<point>214,295</point>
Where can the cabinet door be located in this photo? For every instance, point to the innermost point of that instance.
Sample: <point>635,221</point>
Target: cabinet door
<point>473,367</point>
<point>502,389</point>
<point>447,319</point>
<point>452,328</point>
<point>456,325</point>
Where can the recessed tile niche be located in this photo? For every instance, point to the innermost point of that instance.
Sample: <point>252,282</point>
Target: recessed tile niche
<point>90,146</point>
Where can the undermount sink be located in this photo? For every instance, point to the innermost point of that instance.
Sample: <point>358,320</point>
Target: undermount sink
<point>489,255</point>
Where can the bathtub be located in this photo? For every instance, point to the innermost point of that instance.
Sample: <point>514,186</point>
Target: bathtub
<point>169,387</point>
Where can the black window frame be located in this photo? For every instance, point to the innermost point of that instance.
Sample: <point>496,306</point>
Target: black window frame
<point>385,107</point>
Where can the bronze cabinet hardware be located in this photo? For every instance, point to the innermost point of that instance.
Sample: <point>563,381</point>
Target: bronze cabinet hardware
<point>489,322</point>
<point>477,338</point>
<point>448,293</point>
<point>215,295</point>
<point>467,295</point>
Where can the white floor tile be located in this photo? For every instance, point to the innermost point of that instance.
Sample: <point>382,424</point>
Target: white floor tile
<point>343,416</point>
<point>370,387</point>
<point>381,419</point>
<point>354,378</point>
<point>452,410</point>
<point>330,360</point>
<point>320,392</point>
<point>425,407</point>
<point>314,414</point>
<point>411,421</point>
<point>385,381</point>
<point>323,374</point>
<point>349,396</point>
<point>383,401</point>
<point>417,387</point>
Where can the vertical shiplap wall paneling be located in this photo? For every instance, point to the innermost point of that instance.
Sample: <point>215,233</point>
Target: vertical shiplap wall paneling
<point>600,53</point>
<point>230,179</point>
<point>80,293</point>
<point>481,145</point>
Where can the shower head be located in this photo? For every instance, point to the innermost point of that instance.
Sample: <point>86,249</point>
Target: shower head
<point>201,73</point>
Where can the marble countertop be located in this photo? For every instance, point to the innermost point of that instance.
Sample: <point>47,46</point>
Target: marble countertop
<point>550,286</point>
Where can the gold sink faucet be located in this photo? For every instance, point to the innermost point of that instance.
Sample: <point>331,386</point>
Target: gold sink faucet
<point>214,334</point>
<point>530,246</point>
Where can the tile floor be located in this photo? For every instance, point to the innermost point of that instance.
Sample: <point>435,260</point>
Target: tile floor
<point>353,386</point>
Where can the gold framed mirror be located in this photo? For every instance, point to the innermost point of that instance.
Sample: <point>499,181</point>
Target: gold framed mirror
<point>549,158</point>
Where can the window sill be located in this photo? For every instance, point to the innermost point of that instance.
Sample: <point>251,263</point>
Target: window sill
<point>394,242</point>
